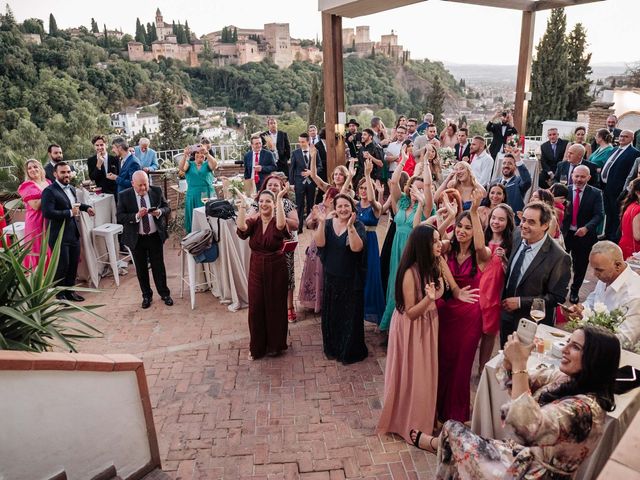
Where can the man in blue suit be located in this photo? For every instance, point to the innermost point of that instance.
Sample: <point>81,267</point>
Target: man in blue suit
<point>613,176</point>
<point>516,186</point>
<point>129,164</point>
<point>258,163</point>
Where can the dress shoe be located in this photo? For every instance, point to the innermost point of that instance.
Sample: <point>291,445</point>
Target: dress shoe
<point>573,298</point>
<point>74,297</point>
<point>168,301</point>
<point>146,302</point>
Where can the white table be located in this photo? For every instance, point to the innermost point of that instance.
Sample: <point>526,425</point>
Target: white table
<point>227,277</point>
<point>490,397</point>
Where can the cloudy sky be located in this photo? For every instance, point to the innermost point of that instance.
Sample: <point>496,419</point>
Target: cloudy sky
<point>434,29</point>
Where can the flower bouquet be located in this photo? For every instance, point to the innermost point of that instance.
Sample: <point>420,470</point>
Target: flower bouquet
<point>602,317</point>
<point>447,156</point>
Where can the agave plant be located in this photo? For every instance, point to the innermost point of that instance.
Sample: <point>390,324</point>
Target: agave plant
<point>31,317</point>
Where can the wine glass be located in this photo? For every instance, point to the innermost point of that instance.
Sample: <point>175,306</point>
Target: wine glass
<point>537,310</point>
<point>563,179</point>
<point>204,197</point>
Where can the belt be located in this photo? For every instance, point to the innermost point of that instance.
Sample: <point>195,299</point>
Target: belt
<point>371,228</point>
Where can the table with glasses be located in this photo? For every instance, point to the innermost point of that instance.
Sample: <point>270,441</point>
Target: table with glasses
<point>227,277</point>
<point>490,397</point>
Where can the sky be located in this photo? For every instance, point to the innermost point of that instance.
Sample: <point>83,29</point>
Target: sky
<point>446,31</point>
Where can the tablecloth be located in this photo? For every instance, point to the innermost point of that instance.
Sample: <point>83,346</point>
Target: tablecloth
<point>227,276</point>
<point>490,397</point>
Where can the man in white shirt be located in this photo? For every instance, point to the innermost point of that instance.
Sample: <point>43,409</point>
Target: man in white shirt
<point>392,154</point>
<point>480,160</point>
<point>618,287</point>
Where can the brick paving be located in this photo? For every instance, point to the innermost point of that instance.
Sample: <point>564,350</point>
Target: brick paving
<point>218,415</point>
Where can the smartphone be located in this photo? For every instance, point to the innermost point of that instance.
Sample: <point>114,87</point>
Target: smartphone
<point>527,331</point>
<point>152,209</point>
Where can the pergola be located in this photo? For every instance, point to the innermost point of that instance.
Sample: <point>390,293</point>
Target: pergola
<point>332,13</point>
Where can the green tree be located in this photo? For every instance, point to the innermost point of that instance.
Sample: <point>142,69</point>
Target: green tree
<point>319,118</point>
<point>550,75</point>
<point>187,31</point>
<point>94,26</point>
<point>387,115</point>
<point>33,25</point>
<point>373,51</point>
<point>141,35</point>
<point>170,134</point>
<point>579,72</point>
<point>313,100</point>
<point>9,18</point>
<point>53,26</point>
<point>152,35</point>
<point>234,38</point>
<point>435,102</point>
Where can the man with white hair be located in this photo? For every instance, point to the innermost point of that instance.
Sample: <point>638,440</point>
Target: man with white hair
<point>618,287</point>
<point>147,156</point>
<point>144,212</point>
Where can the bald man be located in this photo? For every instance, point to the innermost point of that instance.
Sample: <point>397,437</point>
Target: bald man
<point>575,157</point>
<point>613,175</point>
<point>144,212</point>
<point>618,287</point>
<point>582,216</point>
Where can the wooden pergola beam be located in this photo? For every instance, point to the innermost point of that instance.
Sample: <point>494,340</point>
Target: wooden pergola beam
<point>523,78</point>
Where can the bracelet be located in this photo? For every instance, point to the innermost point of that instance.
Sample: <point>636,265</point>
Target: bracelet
<point>519,371</point>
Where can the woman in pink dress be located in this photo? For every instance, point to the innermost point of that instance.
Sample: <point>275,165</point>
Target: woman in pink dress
<point>34,225</point>
<point>461,325</point>
<point>498,238</point>
<point>630,223</point>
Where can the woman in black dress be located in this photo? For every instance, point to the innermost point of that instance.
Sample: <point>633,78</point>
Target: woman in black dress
<point>342,246</point>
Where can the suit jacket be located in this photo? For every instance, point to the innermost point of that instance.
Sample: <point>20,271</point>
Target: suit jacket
<point>266,161</point>
<point>548,160</point>
<point>633,174</point>
<point>517,187</point>
<point>321,160</point>
<point>353,146</point>
<point>48,171</point>
<point>465,153</point>
<point>282,147</point>
<point>499,139</point>
<point>298,166</point>
<point>99,175</point>
<point>128,207</point>
<point>619,172</point>
<point>590,213</point>
<point>546,277</point>
<point>56,208</point>
<point>130,165</point>
<point>563,169</point>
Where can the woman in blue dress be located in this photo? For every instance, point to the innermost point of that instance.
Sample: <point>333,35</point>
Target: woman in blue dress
<point>410,209</point>
<point>369,210</point>
<point>199,175</point>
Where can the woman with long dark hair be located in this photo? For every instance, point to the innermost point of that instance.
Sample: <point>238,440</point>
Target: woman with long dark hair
<point>630,221</point>
<point>496,195</point>
<point>557,415</point>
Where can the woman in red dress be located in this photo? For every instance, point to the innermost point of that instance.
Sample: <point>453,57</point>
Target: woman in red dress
<point>267,274</point>
<point>34,225</point>
<point>630,223</point>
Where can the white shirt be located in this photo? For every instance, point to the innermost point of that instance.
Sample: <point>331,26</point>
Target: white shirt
<point>624,292</point>
<point>394,149</point>
<point>529,256</point>
<point>152,224</point>
<point>274,137</point>
<point>67,191</point>
<point>482,168</point>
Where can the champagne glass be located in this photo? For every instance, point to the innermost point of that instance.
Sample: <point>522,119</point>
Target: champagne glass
<point>204,197</point>
<point>537,310</point>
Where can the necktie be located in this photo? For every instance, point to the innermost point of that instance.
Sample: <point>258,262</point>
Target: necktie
<point>256,162</point>
<point>146,227</point>
<point>306,165</point>
<point>609,164</point>
<point>515,271</point>
<point>575,207</point>
<point>553,147</point>
<point>460,151</point>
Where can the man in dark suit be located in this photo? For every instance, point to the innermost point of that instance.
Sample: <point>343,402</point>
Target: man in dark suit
<point>300,178</point>
<point>552,152</point>
<point>516,185</point>
<point>278,143</point>
<point>463,147</point>
<point>61,208</point>
<point>54,152</point>
<point>258,162</point>
<point>129,164</point>
<point>143,212</point>
<point>538,268</point>
<point>575,154</point>
<point>581,219</point>
<point>612,121</point>
<point>612,177</point>
<point>500,131</point>
<point>101,164</point>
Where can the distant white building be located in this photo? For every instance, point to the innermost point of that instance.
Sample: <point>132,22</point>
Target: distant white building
<point>131,122</point>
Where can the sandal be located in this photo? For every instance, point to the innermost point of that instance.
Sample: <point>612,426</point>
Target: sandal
<point>292,316</point>
<point>416,442</point>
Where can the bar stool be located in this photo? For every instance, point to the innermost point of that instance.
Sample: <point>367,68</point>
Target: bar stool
<point>189,262</point>
<point>109,233</point>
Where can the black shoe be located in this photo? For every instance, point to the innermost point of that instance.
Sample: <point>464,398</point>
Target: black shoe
<point>146,302</point>
<point>168,301</point>
<point>61,296</point>
<point>74,297</point>
<point>573,298</point>
<point>300,231</point>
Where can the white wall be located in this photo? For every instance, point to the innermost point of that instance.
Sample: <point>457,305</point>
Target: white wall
<point>78,421</point>
<point>565,129</point>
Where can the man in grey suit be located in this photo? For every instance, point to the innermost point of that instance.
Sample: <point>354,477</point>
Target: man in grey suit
<point>538,268</point>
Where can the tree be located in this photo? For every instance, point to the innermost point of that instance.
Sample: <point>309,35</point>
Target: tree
<point>170,134</point>
<point>435,102</point>
<point>33,25</point>
<point>313,100</point>
<point>152,35</point>
<point>141,35</point>
<point>187,31</point>
<point>9,18</point>
<point>550,75</point>
<point>53,26</point>
<point>579,72</point>
<point>387,116</point>
<point>373,51</point>
<point>234,38</point>
<point>319,118</point>
<point>94,26</point>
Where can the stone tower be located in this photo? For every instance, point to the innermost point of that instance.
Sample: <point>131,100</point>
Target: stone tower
<point>277,35</point>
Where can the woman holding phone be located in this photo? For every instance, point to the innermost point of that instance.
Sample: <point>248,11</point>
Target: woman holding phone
<point>199,175</point>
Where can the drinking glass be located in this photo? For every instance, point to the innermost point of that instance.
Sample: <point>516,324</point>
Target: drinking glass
<point>204,198</point>
<point>537,310</point>
<point>563,179</point>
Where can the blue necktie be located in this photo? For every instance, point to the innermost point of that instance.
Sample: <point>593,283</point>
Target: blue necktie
<point>515,272</point>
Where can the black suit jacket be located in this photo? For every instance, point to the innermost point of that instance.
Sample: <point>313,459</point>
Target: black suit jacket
<point>466,152</point>
<point>563,169</point>
<point>128,207</point>
<point>298,166</point>
<point>283,148</point>
<point>548,160</point>
<point>546,277</point>
<point>56,208</point>
<point>321,160</point>
<point>48,171</point>
<point>499,139</point>
<point>99,175</point>
<point>590,213</point>
<point>619,172</point>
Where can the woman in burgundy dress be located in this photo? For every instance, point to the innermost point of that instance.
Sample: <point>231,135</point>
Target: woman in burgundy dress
<point>460,326</point>
<point>267,274</point>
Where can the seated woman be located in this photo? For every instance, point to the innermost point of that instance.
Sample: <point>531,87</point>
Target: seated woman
<point>557,416</point>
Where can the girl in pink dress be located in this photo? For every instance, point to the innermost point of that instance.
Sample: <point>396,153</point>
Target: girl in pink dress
<point>34,225</point>
<point>498,237</point>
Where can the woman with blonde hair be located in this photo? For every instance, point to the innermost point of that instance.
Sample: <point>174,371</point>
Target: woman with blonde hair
<point>432,155</point>
<point>462,179</point>
<point>30,190</point>
<point>340,177</point>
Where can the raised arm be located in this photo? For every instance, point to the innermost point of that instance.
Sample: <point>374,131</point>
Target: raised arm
<point>356,243</point>
<point>394,181</point>
<point>377,207</point>
<point>281,219</point>
<point>184,164</point>
<point>241,221</point>
<point>213,163</point>
<point>483,253</point>
<point>427,180</point>
<point>322,185</point>
<point>444,185</point>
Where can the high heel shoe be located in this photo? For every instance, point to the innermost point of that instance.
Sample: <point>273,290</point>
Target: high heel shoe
<point>292,316</point>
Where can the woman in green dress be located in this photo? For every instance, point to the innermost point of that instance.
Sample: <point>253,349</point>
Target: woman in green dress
<point>410,209</point>
<point>199,175</point>
<point>604,140</point>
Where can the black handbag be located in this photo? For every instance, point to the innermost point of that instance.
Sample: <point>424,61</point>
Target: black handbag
<point>220,209</point>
